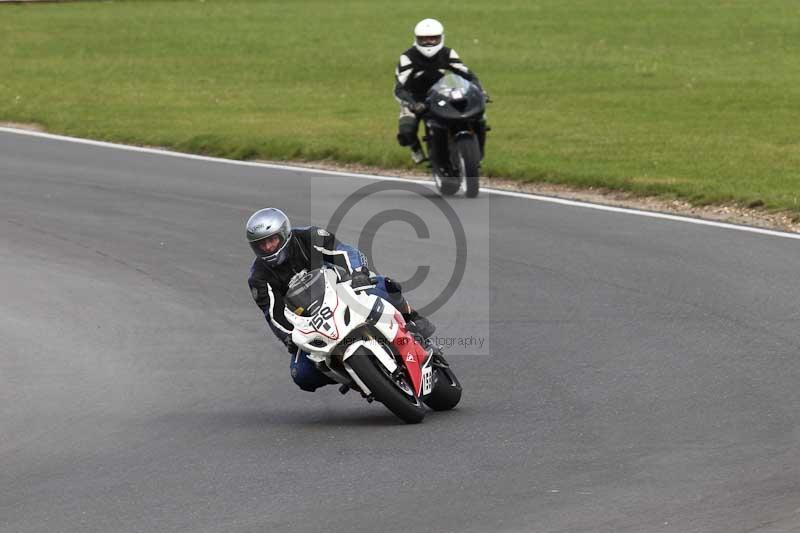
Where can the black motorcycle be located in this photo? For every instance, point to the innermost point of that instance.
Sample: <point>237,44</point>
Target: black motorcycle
<point>455,133</point>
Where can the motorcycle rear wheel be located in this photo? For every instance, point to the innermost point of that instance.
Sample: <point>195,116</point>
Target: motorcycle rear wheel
<point>446,393</point>
<point>384,389</point>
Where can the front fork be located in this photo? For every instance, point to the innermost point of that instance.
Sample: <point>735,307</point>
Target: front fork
<point>441,142</point>
<point>438,150</point>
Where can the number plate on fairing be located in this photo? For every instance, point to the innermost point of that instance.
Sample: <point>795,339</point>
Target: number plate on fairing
<point>427,380</point>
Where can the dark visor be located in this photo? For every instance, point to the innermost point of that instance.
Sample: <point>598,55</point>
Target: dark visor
<point>429,40</point>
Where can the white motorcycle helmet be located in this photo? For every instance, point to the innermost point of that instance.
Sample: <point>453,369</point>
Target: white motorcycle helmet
<point>429,37</point>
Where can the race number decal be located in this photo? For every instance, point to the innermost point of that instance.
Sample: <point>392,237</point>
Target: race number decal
<point>321,320</point>
<point>427,380</point>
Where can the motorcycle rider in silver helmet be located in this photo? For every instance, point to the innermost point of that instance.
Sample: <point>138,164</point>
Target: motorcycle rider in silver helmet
<point>281,252</point>
<point>419,68</point>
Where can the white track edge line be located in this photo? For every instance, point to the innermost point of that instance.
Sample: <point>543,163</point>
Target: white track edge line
<point>498,192</point>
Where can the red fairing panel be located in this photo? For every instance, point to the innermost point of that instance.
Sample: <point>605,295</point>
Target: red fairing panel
<point>412,354</point>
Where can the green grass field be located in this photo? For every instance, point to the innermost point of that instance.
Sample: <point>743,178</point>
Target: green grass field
<point>681,98</point>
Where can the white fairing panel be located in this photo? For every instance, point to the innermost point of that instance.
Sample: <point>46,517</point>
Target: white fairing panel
<point>342,311</point>
<point>375,348</point>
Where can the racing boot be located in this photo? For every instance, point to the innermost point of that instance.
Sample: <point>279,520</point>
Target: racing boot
<point>418,324</point>
<point>417,155</point>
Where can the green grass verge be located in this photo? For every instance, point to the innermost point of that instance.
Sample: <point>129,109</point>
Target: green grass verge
<point>688,99</point>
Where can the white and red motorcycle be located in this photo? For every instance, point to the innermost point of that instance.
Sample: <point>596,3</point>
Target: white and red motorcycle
<point>361,341</point>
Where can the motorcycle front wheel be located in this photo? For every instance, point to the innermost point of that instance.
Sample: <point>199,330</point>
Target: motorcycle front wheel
<point>396,395</point>
<point>441,167</point>
<point>469,163</point>
<point>445,185</point>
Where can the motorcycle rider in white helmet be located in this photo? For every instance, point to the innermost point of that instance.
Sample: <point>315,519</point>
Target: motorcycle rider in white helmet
<point>281,252</point>
<point>419,68</point>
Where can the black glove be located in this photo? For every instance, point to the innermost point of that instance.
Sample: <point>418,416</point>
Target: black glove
<point>418,108</point>
<point>290,346</point>
<point>360,279</point>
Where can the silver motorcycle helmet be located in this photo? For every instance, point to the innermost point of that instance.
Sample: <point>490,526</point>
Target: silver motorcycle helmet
<point>262,228</point>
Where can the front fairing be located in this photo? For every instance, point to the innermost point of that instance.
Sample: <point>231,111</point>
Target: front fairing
<point>326,314</point>
<point>336,310</point>
<point>454,98</point>
<point>315,324</point>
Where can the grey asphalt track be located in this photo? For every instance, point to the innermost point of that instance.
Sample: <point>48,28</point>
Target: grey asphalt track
<point>641,374</point>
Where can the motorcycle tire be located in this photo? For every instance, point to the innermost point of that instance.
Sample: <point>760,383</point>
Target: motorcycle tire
<point>446,186</point>
<point>406,407</point>
<point>469,163</point>
<point>446,392</point>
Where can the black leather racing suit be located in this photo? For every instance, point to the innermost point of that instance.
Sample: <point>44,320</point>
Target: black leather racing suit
<point>309,248</point>
<point>414,76</point>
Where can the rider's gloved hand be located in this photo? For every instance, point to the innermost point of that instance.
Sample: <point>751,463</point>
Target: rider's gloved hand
<point>486,97</point>
<point>290,346</point>
<point>418,108</point>
<point>360,279</point>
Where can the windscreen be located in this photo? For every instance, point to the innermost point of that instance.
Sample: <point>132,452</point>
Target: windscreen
<point>449,82</point>
<point>306,292</point>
